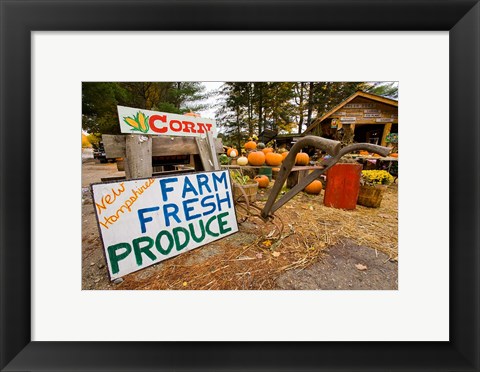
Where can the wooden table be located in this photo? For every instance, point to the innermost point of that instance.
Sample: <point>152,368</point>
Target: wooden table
<point>296,174</point>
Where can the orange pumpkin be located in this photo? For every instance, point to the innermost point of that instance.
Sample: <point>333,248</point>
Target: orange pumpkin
<point>394,155</point>
<point>250,145</point>
<point>267,150</point>
<point>302,158</point>
<point>314,188</point>
<point>363,152</point>
<point>273,159</point>
<point>230,149</point>
<point>256,158</point>
<point>284,154</point>
<point>263,181</point>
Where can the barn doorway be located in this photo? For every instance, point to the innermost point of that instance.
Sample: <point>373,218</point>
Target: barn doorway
<point>369,133</point>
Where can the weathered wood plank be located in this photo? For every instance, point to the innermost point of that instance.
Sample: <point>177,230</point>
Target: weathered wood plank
<point>212,152</point>
<point>161,146</point>
<point>204,152</point>
<point>155,174</point>
<point>386,132</point>
<point>138,156</point>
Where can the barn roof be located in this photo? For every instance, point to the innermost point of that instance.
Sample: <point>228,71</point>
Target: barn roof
<point>359,93</point>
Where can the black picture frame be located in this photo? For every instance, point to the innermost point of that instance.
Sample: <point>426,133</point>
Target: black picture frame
<point>19,18</point>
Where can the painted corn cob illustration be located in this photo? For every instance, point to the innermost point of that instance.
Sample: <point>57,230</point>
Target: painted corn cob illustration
<point>138,123</point>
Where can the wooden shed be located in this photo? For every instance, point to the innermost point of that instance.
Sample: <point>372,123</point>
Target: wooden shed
<point>368,117</point>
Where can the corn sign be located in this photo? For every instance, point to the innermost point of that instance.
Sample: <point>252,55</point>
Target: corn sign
<point>145,221</point>
<point>139,121</point>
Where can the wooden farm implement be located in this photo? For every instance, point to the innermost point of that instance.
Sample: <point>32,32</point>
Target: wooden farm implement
<point>331,147</point>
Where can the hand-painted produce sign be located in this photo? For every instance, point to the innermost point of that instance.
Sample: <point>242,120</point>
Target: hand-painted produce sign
<point>145,221</point>
<point>139,121</point>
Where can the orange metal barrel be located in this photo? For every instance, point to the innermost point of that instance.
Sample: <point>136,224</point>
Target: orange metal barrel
<point>343,185</point>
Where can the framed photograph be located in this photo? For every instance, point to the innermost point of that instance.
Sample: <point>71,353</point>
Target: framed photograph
<point>49,318</point>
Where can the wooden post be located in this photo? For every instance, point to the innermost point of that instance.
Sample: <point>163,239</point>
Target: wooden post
<point>138,153</point>
<point>208,153</point>
<point>386,131</point>
<point>295,177</point>
<point>213,152</point>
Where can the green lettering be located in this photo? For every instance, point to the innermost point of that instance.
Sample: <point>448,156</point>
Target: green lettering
<point>176,231</point>
<point>223,223</point>
<point>158,243</point>
<point>114,258</point>
<point>207,227</point>
<point>192,231</point>
<point>145,249</point>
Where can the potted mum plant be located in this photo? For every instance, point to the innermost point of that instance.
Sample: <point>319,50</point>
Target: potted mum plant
<point>372,185</point>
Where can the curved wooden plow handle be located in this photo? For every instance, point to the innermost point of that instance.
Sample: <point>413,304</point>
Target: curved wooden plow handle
<point>331,147</point>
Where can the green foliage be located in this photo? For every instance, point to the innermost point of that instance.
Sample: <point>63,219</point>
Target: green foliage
<point>250,107</point>
<point>238,177</point>
<point>100,100</point>
<point>94,139</point>
<point>99,106</point>
<point>385,89</point>
<point>224,159</point>
<point>392,138</point>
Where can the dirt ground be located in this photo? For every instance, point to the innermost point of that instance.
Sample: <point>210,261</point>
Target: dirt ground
<point>307,246</point>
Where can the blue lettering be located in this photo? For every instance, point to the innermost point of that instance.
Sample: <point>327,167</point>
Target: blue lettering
<point>167,214</point>
<point>187,209</point>
<point>202,180</point>
<point>204,204</point>
<point>165,188</point>
<point>220,201</point>
<point>144,219</point>
<point>188,187</point>
<point>217,180</point>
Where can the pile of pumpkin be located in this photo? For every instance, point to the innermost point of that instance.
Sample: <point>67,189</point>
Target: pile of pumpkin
<point>259,154</point>
<point>366,153</point>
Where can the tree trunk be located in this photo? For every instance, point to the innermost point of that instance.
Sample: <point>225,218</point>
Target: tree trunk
<point>300,105</point>
<point>260,108</point>
<point>250,110</point>
<point>239,144</point>
<point>310,103</point>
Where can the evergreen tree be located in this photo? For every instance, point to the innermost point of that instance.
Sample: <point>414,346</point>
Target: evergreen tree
<point>100,100</point>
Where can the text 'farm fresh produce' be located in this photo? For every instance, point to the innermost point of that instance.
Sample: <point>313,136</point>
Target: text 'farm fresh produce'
<point>145,221</point>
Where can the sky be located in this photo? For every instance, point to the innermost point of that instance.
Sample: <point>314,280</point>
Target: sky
<point>211,86</point>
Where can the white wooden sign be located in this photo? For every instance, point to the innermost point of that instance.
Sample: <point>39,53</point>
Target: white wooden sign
<point>359,105</point>
<point>140,121</point>
<point>384,120</point>
<point>371,115</point>
<point>145,221</point>
<point>345,119</point>
<point>371,111</point>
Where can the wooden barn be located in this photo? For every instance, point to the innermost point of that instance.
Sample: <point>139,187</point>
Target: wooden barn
<point>368,117</point>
